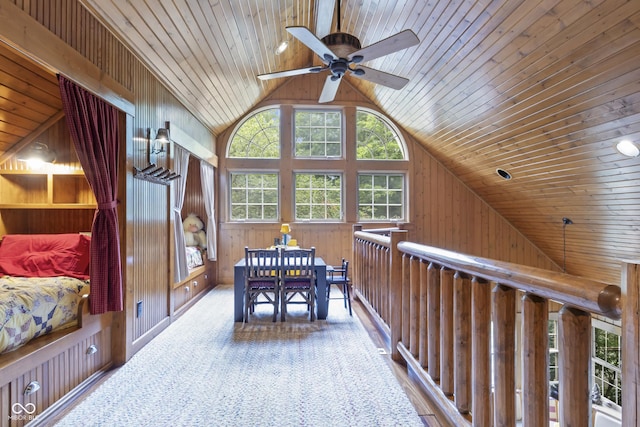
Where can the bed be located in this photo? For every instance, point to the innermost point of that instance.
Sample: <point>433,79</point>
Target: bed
<point>43,279</point>
<point>195,257</point>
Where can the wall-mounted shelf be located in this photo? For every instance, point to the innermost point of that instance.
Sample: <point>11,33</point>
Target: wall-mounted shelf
<point>155,174</point>
<point>45,190</point>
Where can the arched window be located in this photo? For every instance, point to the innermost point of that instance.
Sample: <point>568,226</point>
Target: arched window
<point>376,139</point>
<point>258,137</point>
<point>317,172</point>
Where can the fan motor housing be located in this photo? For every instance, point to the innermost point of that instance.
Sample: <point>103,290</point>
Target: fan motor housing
<point>342,44</point>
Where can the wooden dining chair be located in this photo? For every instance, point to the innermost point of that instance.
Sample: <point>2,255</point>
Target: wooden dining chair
<point>297,278</point>
<point>261,278</point>
<point>339,276</point>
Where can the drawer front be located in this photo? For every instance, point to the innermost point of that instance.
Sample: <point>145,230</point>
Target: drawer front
<point>29,394</point>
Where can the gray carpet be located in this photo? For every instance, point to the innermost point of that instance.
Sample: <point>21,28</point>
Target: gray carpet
<point>204,370</point>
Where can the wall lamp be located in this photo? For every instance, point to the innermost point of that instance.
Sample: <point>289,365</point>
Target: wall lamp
<point>37,154</point>
<point>157,145</point>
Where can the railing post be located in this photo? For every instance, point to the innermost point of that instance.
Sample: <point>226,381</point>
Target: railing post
<point>414,305</point>
<point>481,351</point>
<point>355,257</point>
<point>462,346</point>
<point>395,291</point>
<point>575,367</point>
<point>504,328</point>
<point>424,327</point>
<point>433,320</point>
<point>630,343</point>
<point>535,337</point>
<point>447,331</point>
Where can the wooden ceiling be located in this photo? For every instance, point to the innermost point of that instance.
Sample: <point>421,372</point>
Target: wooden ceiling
<point>541,88</point>
<point>29,101</point>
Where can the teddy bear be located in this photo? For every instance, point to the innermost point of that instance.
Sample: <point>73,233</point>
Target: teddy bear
<point>194,234</point>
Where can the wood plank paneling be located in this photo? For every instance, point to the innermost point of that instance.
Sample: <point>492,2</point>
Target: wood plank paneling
<point>544,89</point>
<point>444,212</point>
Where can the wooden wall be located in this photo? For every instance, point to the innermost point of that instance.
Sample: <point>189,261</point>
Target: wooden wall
<point>443,211</point>
<point>147,224</point>
<point>16,221</point>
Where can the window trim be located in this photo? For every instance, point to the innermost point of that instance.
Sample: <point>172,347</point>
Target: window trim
<point>347,165</point>
<point>343,144</point>
<point>231,172</point>
<point>243,121</point>
<point>383,173</point>
<point>396,130</point>
<point>342,198</point>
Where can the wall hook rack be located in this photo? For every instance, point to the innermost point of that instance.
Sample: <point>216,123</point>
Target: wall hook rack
<point>155,174</point>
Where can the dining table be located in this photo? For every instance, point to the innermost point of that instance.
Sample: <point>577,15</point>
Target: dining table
<point>321,289</point>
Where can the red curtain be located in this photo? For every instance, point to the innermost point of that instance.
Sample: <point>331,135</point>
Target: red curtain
<point>93,125</point>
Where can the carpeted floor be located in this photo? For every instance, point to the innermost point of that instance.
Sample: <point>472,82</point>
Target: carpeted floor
<point>206,370</point>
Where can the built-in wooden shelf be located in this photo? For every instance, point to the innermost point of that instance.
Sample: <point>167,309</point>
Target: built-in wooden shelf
<point>45,190</point>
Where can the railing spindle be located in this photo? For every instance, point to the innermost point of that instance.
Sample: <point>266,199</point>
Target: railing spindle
<point>574,330</point>
<point>481,351</point>
<point>423,320</point>
<point>504,328</point>
<point>630,342</point>
<point>433,320</point>
<point>447,335</point>
<point>462,344</point>
<point>535,335</point>
<point>414,305</point>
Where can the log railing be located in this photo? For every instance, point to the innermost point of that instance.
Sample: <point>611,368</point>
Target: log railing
<point>452,319</point>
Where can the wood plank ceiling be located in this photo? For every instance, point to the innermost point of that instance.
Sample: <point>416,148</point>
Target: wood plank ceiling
<point>541,88</point>
<point>29,101</point>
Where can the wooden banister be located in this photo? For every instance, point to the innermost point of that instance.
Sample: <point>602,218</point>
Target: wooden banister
<point>585,294</point>
<point>455,319</point>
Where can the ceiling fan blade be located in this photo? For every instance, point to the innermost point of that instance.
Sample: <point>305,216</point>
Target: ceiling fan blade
<point>382,78</point>
<point>289,73</point>
<point>402,40</point>
<point>312,42</point>
<point>330,89</point>
<point>324,16</point>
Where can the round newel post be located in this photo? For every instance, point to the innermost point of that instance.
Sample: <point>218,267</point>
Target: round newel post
<point>356,263</point>
<point>575,367</point>
<point>395,290</point>
<point>535,337</point>
<point>481,351</point>
<point>504,339</point>
<point>630,343</point>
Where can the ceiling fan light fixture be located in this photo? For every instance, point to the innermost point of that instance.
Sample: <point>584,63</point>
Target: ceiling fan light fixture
<point>628,148</point>
<point>342,44</point>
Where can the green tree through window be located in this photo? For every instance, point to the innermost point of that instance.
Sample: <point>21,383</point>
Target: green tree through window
<point>258,137</point>
<point>376,140</point>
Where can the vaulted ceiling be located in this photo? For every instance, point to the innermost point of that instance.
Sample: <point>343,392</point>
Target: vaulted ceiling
<point>543,89</point>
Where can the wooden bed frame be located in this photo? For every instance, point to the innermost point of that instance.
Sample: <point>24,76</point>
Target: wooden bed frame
<point>40,378</point>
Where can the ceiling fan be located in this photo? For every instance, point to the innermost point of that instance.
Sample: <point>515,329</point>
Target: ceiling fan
<point>341,54</point>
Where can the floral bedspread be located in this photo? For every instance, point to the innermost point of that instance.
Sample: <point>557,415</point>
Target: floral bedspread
<point>194,257</point>
<point>34,306</point>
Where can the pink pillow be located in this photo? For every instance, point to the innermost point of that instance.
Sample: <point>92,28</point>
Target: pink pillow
<point>45,255</point>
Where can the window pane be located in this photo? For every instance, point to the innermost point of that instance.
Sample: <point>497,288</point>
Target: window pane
<point>318,196</point>
<point>606,364</point>
<point>254,196</point>
<point>258,137</point>
<point>375,139</point>
<point>318,134</point>
<point>380,197</point>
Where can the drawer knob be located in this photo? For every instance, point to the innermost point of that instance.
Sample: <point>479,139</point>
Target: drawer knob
<point>186,289</point>
<point>31,388</point>
<point>92,349</point>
